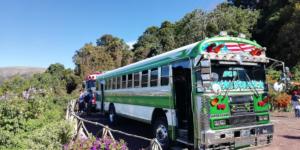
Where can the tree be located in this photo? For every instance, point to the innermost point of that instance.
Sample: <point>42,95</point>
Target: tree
<point>246,3</point>
<point>147,44</point>
<point>82,59</point>
<point>286,45</point>
<point>116,47</point>
<point>233,19</point>
<point>191,28</point>
<point>56,69</point>
<point>166,35</point>
<point>277,27</point>
<point>194,27</point>
<point>109,53</point>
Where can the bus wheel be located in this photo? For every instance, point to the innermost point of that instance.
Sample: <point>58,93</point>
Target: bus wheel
<point>112,116</point>
<point>160,132</point>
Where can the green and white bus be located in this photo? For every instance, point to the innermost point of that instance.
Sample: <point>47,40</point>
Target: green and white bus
<point>210,94</point>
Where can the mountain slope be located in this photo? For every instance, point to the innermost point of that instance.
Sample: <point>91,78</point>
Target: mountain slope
<point>7,72</point>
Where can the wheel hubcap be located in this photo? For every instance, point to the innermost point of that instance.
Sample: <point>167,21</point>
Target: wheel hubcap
<point>111,116</point>
<point>161,133</point>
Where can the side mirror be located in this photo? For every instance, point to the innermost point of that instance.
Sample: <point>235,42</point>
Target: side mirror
<point>214,77</point>
<point>278,87</point>
<point>286,70</point>
<point>216,88</point>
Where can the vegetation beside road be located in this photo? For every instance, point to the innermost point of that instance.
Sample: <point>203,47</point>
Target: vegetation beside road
<point>37,121</point>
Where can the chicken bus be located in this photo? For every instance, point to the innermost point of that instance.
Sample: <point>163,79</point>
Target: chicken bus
<point>211,94</point>
<point>90,85</point>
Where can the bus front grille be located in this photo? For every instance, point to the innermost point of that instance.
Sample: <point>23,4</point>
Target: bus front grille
<point>241,105</point>
<point>242,120</point>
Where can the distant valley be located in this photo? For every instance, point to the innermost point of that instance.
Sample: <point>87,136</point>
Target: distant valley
<point>7,72</point>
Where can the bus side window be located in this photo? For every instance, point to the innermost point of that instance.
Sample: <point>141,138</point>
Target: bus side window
<point>115,82</point>
<point>145,78</point>
<point>118,82</point>
<point>111,83</point>
<point>164,80</point>
<point>107,84</point>
<point>154,77</point>
<point>97,85</point>
<point>123,81</point>
<point>129,84</point>
<point>136,80</point>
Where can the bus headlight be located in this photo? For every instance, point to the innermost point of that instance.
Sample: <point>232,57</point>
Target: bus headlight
<point>263,117</point>
<point>219,122</point>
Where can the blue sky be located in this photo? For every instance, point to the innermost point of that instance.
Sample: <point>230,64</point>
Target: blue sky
<point>40,32</point>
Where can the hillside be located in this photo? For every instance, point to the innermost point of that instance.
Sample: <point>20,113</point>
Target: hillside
<point>7,72</point>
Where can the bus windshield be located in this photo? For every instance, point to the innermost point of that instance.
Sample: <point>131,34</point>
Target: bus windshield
<point>238,77</point>
<point>90,84</point>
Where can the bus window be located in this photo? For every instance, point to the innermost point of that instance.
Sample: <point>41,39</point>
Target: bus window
<point>164,79</point>
<point>145,78</point>
<point>105,86</point>
<point>129,81</point>
<point>123,81</point>
<point>136,80</point>
<point>97,85</point>
<point>153,77</point>
<point>115,83</point>
<point>118,82</point>
<point>111,84</point>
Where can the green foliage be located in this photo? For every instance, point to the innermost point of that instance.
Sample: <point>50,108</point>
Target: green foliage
<point>194,27</point>
<point>55,81</point>
<point>296,72</point>
<point>50,136</point>
<point>277,28</point>
<point>273,75</point>
<point>110,52</point>
<point>34,124</point>
<point>233,19</point>
<point>15,85</point>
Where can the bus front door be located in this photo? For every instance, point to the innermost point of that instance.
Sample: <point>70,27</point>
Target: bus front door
<point>182,89</point>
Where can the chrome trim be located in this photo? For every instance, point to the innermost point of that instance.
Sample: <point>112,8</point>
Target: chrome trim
<point>213,136</point>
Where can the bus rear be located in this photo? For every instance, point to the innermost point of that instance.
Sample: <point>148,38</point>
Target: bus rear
<point>231,99</point>
<point>90,87</point>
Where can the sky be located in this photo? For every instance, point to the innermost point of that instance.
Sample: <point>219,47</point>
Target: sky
<point>38,33</point>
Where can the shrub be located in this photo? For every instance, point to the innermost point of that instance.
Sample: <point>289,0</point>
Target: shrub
<point>51,136</point>
<point>34,124</point>
<point>282,101</point>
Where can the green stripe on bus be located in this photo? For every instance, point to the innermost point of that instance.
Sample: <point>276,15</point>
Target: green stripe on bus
<point>153,101</point>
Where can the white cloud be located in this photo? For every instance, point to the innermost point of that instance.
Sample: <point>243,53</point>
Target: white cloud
<point>130,44</point>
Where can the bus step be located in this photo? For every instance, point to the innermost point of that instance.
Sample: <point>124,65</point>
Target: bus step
<point>183,133</point>
<point>184,142</point>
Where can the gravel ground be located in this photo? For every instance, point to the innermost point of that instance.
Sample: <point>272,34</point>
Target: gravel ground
<point>287,132</point>
<point>286,136</point>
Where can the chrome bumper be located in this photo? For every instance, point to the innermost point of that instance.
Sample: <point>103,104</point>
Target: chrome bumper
<point>232,138</point>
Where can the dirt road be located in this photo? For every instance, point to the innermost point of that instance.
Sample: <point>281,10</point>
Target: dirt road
<point>286,136</point>
<point>287,132</point>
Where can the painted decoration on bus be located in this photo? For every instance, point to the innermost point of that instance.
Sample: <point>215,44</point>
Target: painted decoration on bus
<point>226,47</point>
<point>240,85</point>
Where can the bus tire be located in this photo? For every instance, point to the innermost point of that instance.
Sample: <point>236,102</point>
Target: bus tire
<point>160,131</point>
<point>112,116</point>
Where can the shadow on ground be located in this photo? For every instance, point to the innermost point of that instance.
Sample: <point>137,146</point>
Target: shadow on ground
<point>291,137</point>
<point>123,124</point>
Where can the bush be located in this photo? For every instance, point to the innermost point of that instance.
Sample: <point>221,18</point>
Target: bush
<point>281,101</point>
<point>51,136</point>
<point>34,124</point>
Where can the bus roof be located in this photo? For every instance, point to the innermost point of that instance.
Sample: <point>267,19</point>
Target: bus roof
<point>187,51</point>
